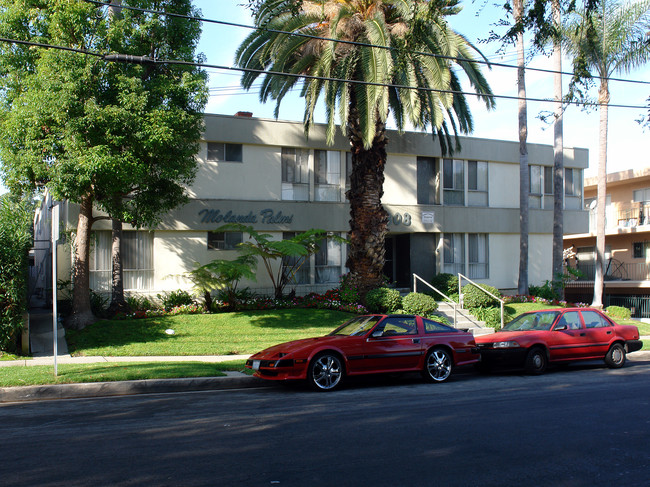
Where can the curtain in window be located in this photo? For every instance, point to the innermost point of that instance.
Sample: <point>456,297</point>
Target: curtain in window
<point>328,262</point>
<point>137,261</point>
<point>478,255</point>
<point>100,262</point>
<point>327,169</point>
<point>295,174</point>
<point>454,253</point>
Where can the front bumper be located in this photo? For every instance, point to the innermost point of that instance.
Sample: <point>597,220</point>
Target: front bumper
<point>503,356</point>
<point>281,369</point>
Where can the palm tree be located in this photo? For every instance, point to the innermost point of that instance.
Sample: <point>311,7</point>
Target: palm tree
<point>604,43</point>
<point>366,58</point>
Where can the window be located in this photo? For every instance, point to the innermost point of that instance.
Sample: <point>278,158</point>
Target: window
<point>453,182</point>
<point>541,185</point>
<point>289,264</point>
<point>593,319</point>
<point>348,169</point>
<point>428,181</point>
<point>477,183</point>
<point>295,174</point>
<point>571,320</point>
<point>137,261</point>
<point>328,262</point>
<point>454,253</point>
<point>396,326</point>
<point>223,152</point>
<point>572,188</point>
<point>477,244</point>
<point>327,175</point>
<point>435,327</point>
<point>224,240</point>
<point>641,195</point>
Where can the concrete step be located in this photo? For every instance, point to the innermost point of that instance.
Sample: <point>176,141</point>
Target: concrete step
<point>464,319</point>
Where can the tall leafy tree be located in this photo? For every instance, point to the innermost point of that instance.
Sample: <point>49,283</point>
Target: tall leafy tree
<point>366,59</point>
<point>605,41</point>
<point>121,137</point>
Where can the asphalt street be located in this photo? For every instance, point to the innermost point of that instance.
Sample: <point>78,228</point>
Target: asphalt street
<point>577,426</point>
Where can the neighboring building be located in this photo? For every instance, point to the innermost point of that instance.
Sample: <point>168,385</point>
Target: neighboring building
<point>627,243</point>
<point>452,215</point>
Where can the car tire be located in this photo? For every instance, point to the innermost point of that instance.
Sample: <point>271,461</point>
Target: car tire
<point>325,372</point>
<point>438,365</point>
<point>536,361</point>
<point>615,358</point>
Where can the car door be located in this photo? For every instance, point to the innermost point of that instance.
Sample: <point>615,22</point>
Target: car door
<point>599,333</point>
<point>567,339</point>
<point>394,344</point>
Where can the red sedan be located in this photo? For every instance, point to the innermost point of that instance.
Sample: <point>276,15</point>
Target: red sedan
<point>369,344</point>
<point>535,339</point>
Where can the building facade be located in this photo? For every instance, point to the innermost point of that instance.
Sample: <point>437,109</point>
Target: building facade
<point>447,214</point>
<point>627,243</point>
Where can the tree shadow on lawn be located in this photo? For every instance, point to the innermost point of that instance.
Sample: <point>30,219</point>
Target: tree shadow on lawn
<point>298,318</point>
<point>109,333</point>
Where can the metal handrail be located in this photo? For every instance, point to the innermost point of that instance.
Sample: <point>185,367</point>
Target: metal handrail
<point>460,293</point>
<point>415,289</point>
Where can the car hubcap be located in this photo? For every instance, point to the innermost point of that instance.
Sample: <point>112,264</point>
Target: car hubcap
<point>617,355</point>
<point>327,372</point>
<point>439,365</point>
<point>537,361</point>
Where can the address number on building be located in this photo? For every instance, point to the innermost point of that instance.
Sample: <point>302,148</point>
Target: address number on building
<point>400,219</point>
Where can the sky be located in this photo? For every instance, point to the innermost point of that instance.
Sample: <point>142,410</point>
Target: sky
<point>628,143</point>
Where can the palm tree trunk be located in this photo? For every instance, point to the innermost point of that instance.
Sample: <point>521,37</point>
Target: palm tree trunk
<point>524,178</point>
<point>599,279</point>
<point>558,159</point>
<point>81,312</point>
<point>368,218</point>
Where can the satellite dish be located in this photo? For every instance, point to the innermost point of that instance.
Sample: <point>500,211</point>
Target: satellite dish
<point>593,204</point>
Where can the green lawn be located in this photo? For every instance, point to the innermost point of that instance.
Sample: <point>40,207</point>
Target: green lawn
<point>237,333</point>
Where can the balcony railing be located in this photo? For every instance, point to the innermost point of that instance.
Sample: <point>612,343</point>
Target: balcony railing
<point>632,215</point>
<point>615,271</point>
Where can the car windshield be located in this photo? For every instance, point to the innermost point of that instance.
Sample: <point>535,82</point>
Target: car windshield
<point>540,320</point>
<point>357,326</point>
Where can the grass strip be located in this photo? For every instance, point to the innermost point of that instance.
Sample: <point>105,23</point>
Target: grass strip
<point>110,372</point>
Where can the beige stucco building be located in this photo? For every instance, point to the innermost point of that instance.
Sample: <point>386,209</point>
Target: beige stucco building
<point>447,214</point>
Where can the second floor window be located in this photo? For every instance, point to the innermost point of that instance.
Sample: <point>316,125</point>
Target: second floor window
<point>453,182</point>
<point>477,183</point>
<point>327,175</point>
<point>295,174</point>
<point>223,152</point>
<point>572,189</point>
<point>428,181</point>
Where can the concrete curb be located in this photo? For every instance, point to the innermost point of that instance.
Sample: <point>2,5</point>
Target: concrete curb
<point>234,380</point>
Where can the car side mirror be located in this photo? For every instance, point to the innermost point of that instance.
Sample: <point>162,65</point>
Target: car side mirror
<point>560,328</point>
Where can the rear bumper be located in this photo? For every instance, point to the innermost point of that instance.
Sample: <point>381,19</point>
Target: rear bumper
<point>633,345</point>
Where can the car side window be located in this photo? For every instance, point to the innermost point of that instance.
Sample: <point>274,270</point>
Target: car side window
<point>571,319</point>
<point>435,327</point>
<point>593,319</point>
<point>396,326</point>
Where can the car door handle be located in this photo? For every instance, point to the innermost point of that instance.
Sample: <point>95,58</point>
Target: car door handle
<point>609,332</point>
<point>416,340</point>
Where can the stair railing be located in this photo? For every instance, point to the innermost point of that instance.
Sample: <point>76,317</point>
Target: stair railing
<point>460,293</point>
<point>417,278</point>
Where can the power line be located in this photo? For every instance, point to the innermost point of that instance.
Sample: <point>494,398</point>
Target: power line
<point>354,43</point>
<point>153,61</point>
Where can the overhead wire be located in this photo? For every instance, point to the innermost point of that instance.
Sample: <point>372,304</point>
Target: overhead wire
<point>342,41</point>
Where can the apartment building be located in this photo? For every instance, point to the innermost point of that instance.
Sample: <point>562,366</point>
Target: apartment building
<point>627,242</point>
<point>447,214</point>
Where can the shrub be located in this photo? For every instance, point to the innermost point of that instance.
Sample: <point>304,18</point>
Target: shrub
<point>98,304</point>
<point>545,291</point>
<point>419,304</point>
<point>15,241</point>
<point>140,303</point>
<point>446,283</point>
<point>174,299</point>
<point>383,300</point>
<point>348,293</point>
<point>473,297</point>
<point>492,316</point>
<point>618,312</point>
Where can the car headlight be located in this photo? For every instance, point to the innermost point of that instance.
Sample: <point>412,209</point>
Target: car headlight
<point>507,344</point>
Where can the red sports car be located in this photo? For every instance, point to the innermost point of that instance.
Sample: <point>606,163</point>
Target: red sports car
<point>369,344</point>
<point>535,339</point>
